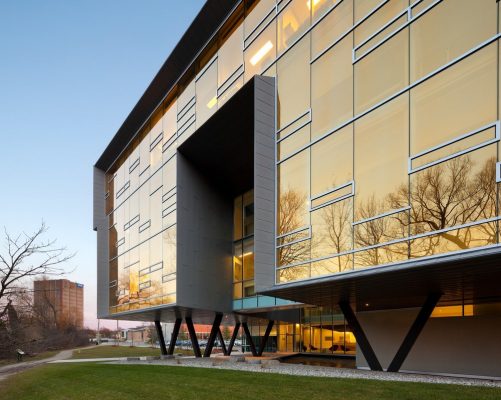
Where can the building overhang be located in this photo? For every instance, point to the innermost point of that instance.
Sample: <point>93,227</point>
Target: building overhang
<point>199,33</point>
<point>470,276</point>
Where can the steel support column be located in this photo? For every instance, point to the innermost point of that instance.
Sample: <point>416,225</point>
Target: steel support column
<point>221,339</point>
<point>233,337</point>
<point>362,341</point>
<point>161,340</point>
<point>414,331</point>
<point>193,337</point>
<point>173,336</point>
<point>249,339</point>
<point>213,334</point>
<point>262,345</point>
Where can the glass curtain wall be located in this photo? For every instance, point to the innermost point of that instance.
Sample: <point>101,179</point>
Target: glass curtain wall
<point>403,93</point>
<point>243,246</point>
<point>394,153</point>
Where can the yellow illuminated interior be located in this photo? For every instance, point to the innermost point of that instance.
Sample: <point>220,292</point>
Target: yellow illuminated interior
<point>309,2</point>
<point>261,52</point>
<point>212,102</point>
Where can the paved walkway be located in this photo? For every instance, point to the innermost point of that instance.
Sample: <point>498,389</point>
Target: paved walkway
<point>12,369</point>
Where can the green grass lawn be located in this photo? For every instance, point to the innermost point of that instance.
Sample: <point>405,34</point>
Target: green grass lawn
<point>122,382</point>
<point>105,351</point>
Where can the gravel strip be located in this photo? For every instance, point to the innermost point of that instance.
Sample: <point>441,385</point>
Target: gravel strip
<point>307,370</point>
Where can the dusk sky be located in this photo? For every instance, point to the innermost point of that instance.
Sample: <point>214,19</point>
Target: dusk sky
<point>70,72</point>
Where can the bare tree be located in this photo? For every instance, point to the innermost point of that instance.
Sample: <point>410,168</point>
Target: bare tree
<point>23,258</point>
<point>334,236</point>
<point>290,218</point>
<point>446,195</point>
<point>26,256</point>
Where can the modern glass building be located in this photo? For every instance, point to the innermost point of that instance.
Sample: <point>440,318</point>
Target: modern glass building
<point>322,173</point>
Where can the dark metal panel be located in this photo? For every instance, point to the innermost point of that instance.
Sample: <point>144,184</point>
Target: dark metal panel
<point>264,182</point>
<point>414,331</point>
<point>222,148</point>
<point>99,202</point>
<point>160,335</point>
<point>359,333</point>
<point>100,225</point>
<point>204,241</point>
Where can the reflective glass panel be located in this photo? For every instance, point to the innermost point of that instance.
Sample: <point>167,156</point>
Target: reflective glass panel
<point>259,10</point>
<point>332,88</point>
<point>293,75</point>
<point>447,31</point>
<point>381,156</point>
<point>332,161</point>
<point>230,55</point>
<point>206,87</point>
<point>292,21</point>
<point>293,193</point>
<point>457,101</point>
<point>261,53</point>
<point>382,72</point>
<point>332,231</point>
<point>332,27</point>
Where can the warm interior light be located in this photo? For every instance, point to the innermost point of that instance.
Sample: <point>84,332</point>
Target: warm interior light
<point>212,102</point>
<point>315,2</point>
<point>261,53</point>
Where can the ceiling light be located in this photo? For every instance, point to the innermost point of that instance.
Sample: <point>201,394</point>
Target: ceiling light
<point>261,53</point>
<point>315,2</point>
<point>212,102</point>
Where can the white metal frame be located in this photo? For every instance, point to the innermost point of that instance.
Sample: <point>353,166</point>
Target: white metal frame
<point>335,200</point>
<point>496,138</point>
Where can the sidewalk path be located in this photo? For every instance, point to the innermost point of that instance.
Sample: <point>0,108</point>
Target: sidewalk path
<point>12,369</point>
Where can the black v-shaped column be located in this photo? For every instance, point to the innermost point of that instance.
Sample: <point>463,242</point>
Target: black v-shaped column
<point>414,331</point>
<point>359,333</point>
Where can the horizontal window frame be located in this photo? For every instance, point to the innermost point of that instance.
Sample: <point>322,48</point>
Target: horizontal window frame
<point>234,76</point>
<point>400,92</point>
<point>156,141</point>
<point>181,113</point>
<point>131,222</point>
<point>298,230</point>
<point>410,20</point>
<point>335,200</point>
<point>292,123</point>
<point>382,215</point>
<point>134,165</point>
<point>260,27</point>
<point>401,240</point>
<point>279,246</point>
<point>145,225</point>
<point>205,68</point>
<point>497,136</point>
<point>187,124</point>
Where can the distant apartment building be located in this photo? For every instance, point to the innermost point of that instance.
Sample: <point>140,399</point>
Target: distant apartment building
<point>61,300</point>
